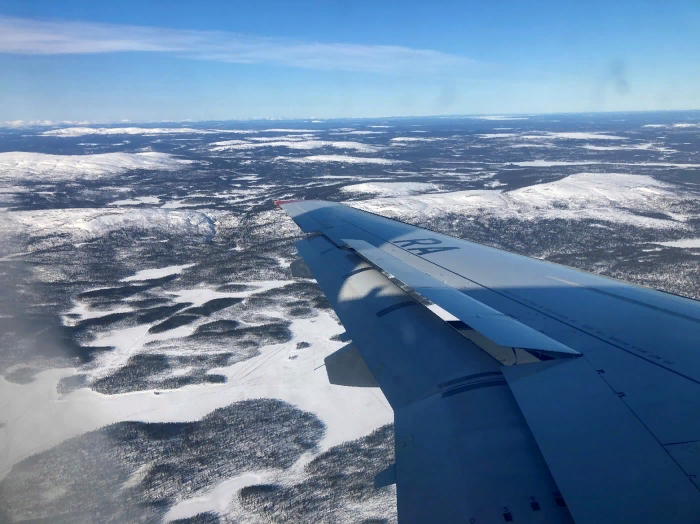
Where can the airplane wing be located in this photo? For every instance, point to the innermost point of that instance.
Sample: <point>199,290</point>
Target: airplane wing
<point>549,395</point>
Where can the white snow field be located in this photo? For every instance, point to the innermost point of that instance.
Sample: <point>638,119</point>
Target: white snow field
<point>287,138</point>
<point>136,201</point>
<point>59,226</point>
<point>575,135</point>
<point>42,418</point>
<point>288,130</point>
<point>340,158</point>
<point>356,132</point>
<point>221,497</point>
<point>229,145</point>
<point>37,166</point>
<point>611,197</point>
<point>561,163</point>
<point>498,135</point>
<point>550,163</point>
<point>70,132</point>
<point>649,146</point>
<point>392,189</point>
<point>549,135</point>
<point>686,242</point>
<point>150,274</point>
<point>414,139</point>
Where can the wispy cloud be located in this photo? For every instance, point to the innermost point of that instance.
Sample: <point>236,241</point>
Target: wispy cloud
<point>35,37</point>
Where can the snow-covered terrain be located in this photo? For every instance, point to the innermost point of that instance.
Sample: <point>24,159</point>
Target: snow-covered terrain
<point>346,414</point>
<point>39,166</point>
<point>160,356</point>
<point>577,135</point>
<point>52,226</point>
<point>413,139</point>
<point>631,147</point>
<point>150,274</point>
<point>82,131</point>
<point>497,135</point>
<point>356,132</point>
<point>340,158</point>
<point>686,242</point>
<point>611,197</point>
<point>293,144</point>
<point>391,189</point>
<point>136,201</point>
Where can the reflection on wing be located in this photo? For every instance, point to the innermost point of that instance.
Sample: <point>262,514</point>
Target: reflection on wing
<point>557,395</point>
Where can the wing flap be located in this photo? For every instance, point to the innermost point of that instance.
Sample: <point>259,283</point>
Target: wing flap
<point>609,467</point>
<point>467,455</point>
<point>494,325</point>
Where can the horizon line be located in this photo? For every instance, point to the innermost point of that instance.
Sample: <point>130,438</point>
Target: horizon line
<point>494,117</point>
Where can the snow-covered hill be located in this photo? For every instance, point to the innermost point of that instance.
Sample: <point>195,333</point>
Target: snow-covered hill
<point>41,166</point>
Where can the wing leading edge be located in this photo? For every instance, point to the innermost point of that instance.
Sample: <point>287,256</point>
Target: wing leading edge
<point>599,417</point>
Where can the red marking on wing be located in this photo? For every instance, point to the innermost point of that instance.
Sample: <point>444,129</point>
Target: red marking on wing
<point>281,202</point>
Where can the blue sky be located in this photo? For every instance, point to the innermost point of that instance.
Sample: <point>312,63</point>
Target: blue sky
<point>142,61</point>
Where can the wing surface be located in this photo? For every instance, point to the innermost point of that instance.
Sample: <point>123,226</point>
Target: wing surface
<point>607,409</point>
<point>454,413</point>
